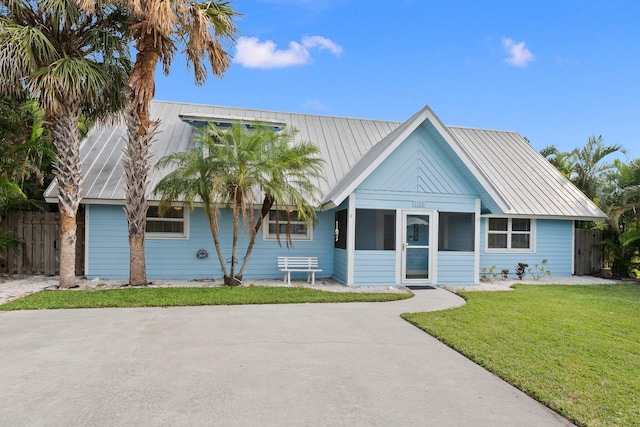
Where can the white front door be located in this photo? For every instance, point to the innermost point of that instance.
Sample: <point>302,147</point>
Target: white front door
<point>417,230</point>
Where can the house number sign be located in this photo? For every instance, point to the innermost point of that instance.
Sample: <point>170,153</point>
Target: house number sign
<point>418,204</point>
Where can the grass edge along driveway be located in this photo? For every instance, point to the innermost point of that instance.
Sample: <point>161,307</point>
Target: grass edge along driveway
<point>574,348</point>
<point>184,296</point>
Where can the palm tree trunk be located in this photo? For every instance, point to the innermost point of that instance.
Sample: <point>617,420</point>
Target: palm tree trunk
<point>68,173</point>
<point>214,232</point>
<point>67,250</point>
<point>264,211</point>
<point>136,165</point>
<point>232,280</point>
<point>140,130</point>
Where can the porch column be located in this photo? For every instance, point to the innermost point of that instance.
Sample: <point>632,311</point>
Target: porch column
<point>476,248</point>
<point>573,248</point>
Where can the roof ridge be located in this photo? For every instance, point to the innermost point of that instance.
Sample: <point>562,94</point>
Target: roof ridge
<point>276,111</point>
<point>482,129</point>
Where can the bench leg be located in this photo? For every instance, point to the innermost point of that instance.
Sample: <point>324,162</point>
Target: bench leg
<point>313,277</point>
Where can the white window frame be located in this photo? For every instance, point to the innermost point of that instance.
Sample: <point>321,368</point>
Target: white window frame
<point>160,235</point>
<point>297,237</point>
<point>509,232</point>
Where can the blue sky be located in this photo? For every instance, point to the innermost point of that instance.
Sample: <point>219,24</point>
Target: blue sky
<point>555,71</point>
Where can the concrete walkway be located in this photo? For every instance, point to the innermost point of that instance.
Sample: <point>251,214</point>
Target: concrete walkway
<point>274,365</point>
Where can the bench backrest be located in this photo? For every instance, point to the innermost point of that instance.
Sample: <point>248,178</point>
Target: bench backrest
<point>297,262</point>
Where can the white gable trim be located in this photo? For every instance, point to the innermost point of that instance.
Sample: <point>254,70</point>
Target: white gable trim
<point>406,129</point>
<point>469,162</point>
<point>409,126</point>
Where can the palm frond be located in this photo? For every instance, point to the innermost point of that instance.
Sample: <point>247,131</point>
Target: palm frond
<point>7,242</point>
<point>630,237</point>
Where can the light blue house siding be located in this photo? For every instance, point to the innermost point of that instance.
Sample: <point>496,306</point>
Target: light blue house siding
<point>421,174</point>
<point>108,248</point>
<point>456,268</point>
<point>340,265</point>
<point>553,242</point>
<point>375,268</point>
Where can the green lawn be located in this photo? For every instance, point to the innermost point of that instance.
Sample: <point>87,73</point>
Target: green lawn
<point>166,297</point>
<point>574,348</point>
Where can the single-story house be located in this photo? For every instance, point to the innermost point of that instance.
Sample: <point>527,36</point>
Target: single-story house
<point>403,203</point>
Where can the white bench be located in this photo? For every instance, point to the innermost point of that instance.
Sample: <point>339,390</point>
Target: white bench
<point>302,264</point>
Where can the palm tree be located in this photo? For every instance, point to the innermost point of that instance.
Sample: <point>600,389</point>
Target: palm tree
<point>74,63</point>
<point>623,227</point>
<point>26,151</point>
<point>242,170</point>
<point>561,160</point>
<point>589,166</point>
<point>26,154</point>
<point>158,28</point>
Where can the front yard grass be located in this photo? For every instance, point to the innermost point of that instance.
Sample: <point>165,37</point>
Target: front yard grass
<point>574,348</point>
<point>167,297</point>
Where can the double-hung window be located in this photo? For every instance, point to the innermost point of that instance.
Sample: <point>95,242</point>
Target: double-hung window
<point>278,221</point>
<point>171,225</point>
<point>510,234</point>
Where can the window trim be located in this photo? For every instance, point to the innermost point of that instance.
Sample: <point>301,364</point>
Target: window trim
<point>509,232</point>
<point>155,235</point>
<point>295,237</point>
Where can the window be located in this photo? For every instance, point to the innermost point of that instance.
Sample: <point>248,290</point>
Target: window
<point>456,231</point>
<point>375,230</point>
<point>510,234</point>
<point>276,223</point>
<point>171,225</point>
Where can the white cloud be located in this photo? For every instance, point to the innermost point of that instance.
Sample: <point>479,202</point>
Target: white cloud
<point>314,104</point>
<point>252,53</point>
<point>321,43</point>
<point>519,55</point>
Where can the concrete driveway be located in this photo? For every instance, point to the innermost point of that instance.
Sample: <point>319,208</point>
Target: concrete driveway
<point>353,364</point>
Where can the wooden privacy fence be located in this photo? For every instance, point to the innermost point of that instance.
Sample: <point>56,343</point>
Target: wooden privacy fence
<point>40,249</point>
<point>589,251</point>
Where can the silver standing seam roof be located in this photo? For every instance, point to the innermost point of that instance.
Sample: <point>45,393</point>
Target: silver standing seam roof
<point>515,175</point>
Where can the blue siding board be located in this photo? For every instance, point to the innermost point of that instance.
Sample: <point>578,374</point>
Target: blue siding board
<point>368,199</point>
<point>340,265</point>
<point>419,165</point>
<point>375,268</point>
<point>456,268</point>
<point>176,258</point>
<point>554,242</point>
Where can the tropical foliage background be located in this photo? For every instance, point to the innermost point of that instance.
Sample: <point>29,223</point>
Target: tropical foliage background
<point>614,185</point>
<point>74,63</point>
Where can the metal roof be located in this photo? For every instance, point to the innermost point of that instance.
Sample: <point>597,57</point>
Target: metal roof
<point>519,180</point>
<point>525,180</point>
